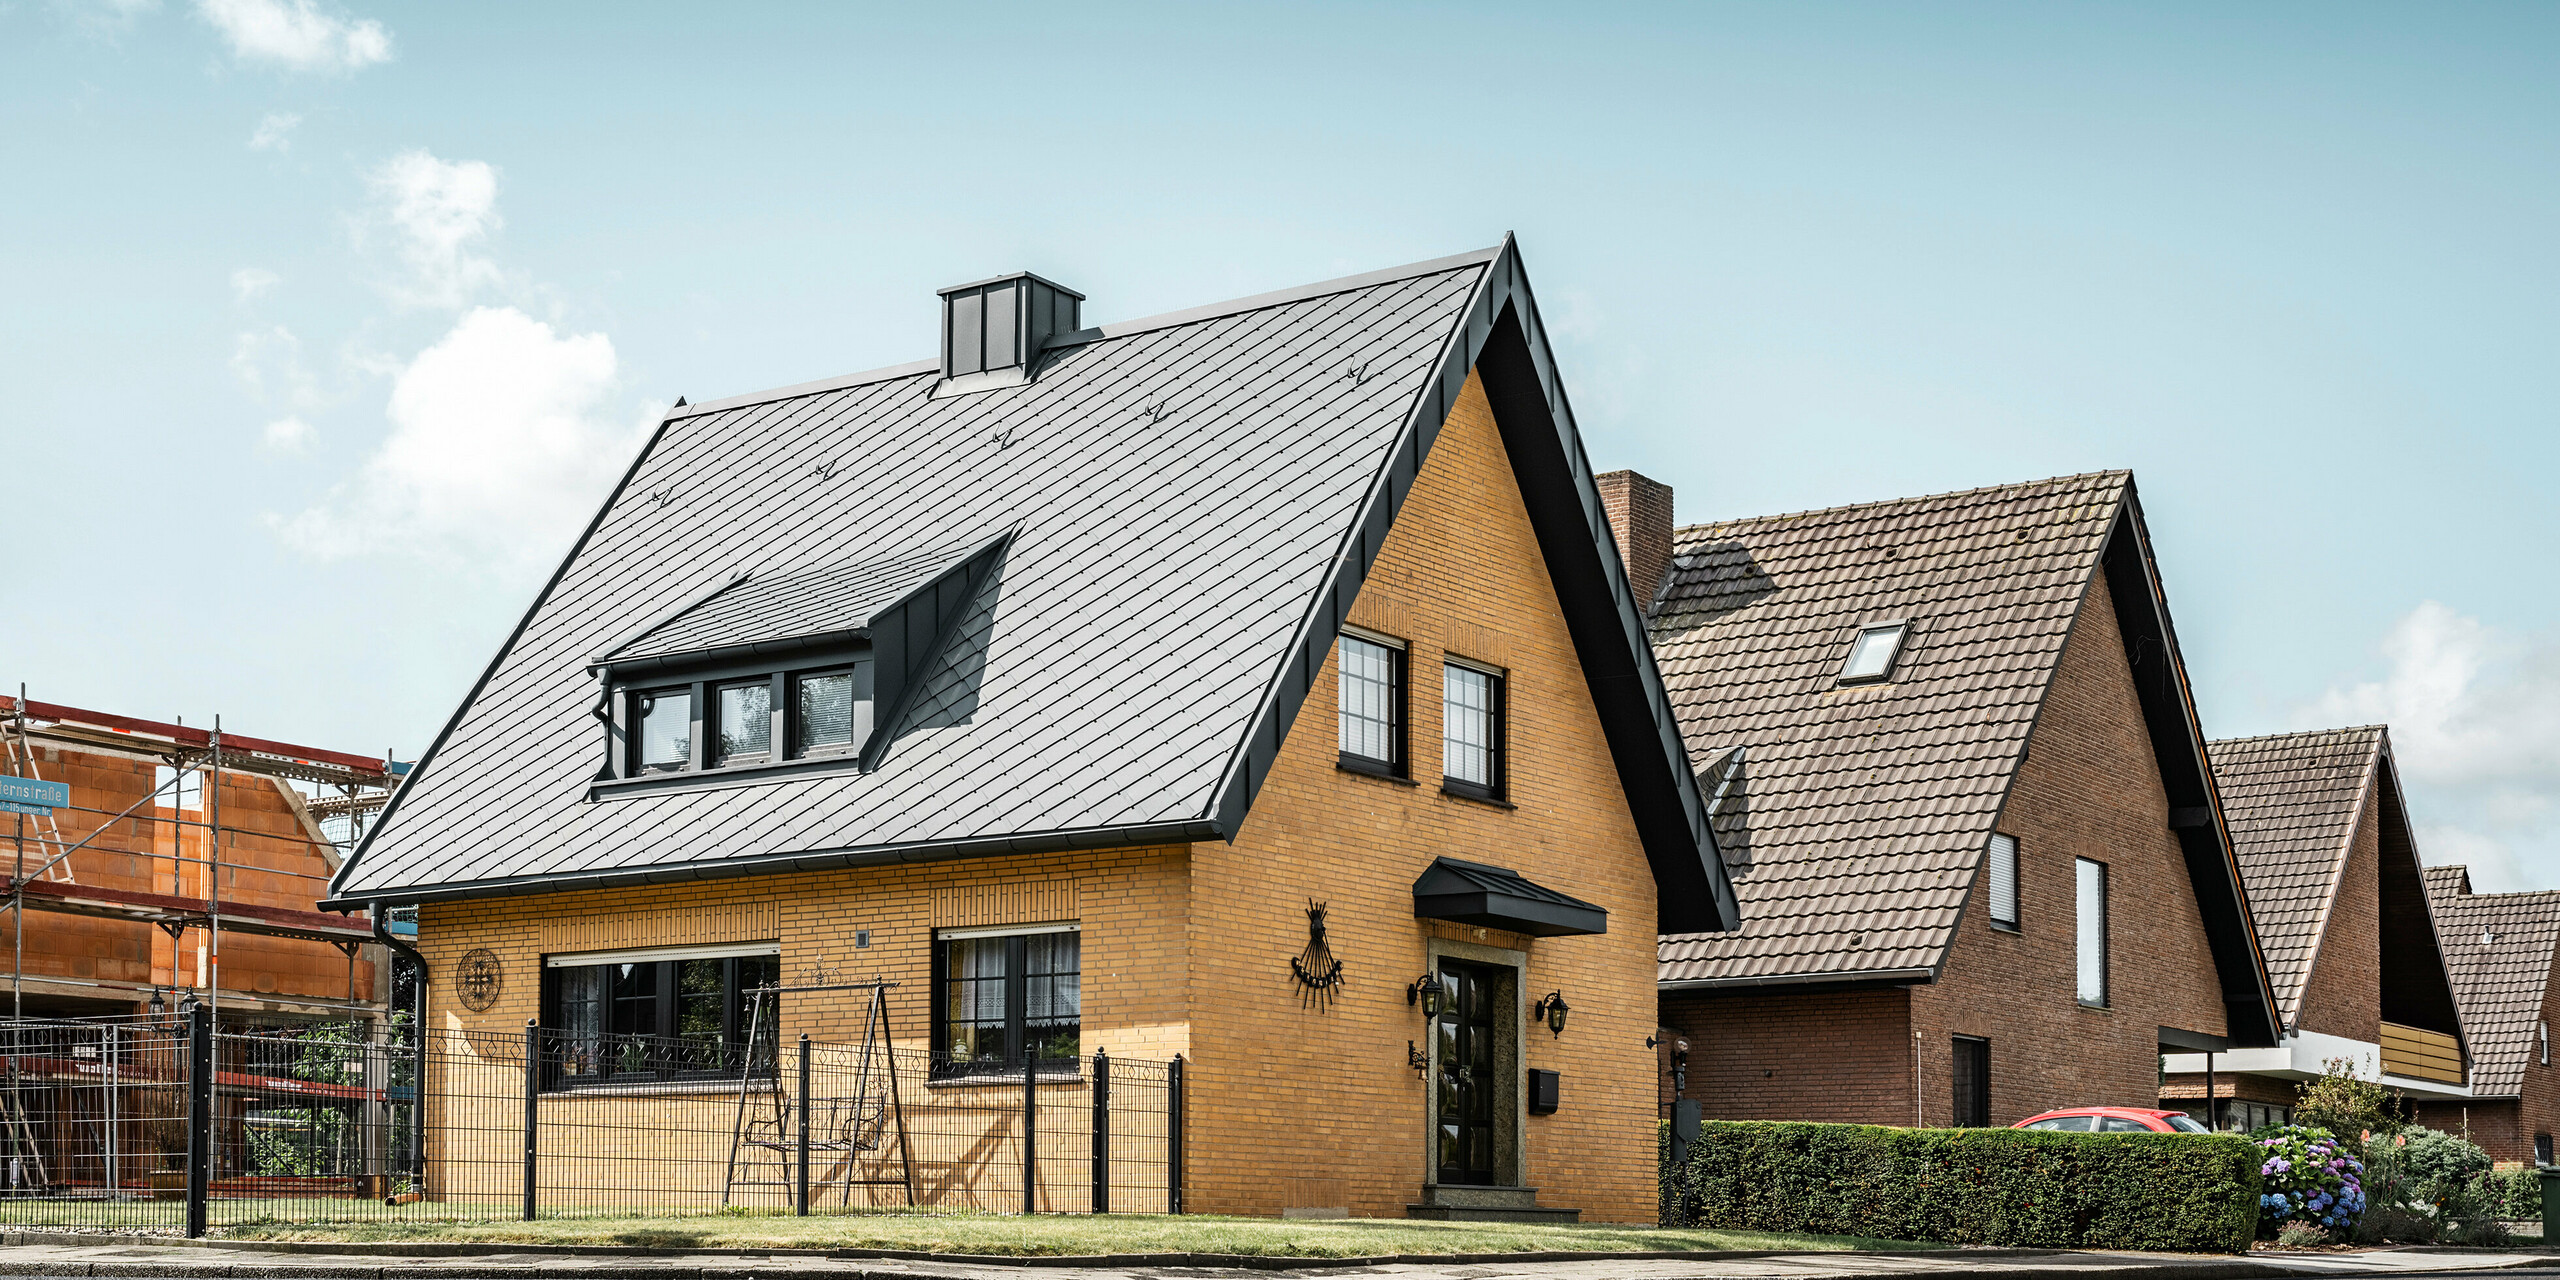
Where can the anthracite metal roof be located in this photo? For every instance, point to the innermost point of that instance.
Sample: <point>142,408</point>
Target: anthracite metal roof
<point>1193,503</point>
<point>837,599</point>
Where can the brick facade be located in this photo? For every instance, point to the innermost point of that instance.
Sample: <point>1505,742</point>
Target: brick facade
<point>2089,788</point>
<point>1186,949</point>
<point>2343,995</point>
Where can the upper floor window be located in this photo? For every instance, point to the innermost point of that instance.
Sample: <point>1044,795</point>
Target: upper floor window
<point>2093,931</point>
<point>750,718</point>
<point>2004,881</point>
<point>1471,730</point>
<point>1371,675</point>
<point>1871,656</point>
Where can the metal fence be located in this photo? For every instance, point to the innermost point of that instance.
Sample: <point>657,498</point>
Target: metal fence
<point>102,1123</point>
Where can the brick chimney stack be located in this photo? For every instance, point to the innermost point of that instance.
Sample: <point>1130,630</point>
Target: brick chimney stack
<point>1639,510</point>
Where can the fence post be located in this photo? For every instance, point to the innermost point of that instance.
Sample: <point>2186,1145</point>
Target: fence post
<point>200,1154</point>
<point>1173,1136</point>
<point>802,1199</point>
<point>1030,1130</point>
<point>1101,1131</point>
<point>532,1106</point>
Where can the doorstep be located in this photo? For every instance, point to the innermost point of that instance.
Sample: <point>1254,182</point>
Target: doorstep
<point>1452,1203</point>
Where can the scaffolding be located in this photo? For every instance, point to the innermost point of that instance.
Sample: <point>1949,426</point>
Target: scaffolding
<point>344,792</point>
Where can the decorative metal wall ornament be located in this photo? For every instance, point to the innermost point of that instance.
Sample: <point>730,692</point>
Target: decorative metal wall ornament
<point>477,979</point>
<point>1319,975</point>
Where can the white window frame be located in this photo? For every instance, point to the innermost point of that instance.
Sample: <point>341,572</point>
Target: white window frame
<point>2003,857</point>
<point>1898,628</point>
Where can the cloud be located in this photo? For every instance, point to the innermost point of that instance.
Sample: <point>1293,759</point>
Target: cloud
<point>501,444</point>
<point>274,132</point>
<point>286,435</point>
<point>438,214</point>
<point>268,363</point>
<point>2474,712</point>
<point>296,34</point>
<point>250,282</point>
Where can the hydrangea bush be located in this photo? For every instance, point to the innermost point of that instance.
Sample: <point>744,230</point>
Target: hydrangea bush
<point>2310,1178</point>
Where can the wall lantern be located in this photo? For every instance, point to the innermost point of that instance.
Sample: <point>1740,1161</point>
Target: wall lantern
<point>159,1007</point>
<point>1429,992</point>
<point>1553,1009</point>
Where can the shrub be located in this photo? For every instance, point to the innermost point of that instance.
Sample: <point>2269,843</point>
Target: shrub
<point>2301,1235</point>
<point>2443,1172</point>
<point>2389,1223</point>
<point>2516,1194</point>
<point>2351,1108</point>
<point>2309,1177</point>
<point>2016,1187</point>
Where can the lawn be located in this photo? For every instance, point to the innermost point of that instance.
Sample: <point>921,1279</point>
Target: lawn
<point>1079,1236</point>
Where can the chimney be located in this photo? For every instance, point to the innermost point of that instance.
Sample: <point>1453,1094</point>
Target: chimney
<point>996,326</point>
<point>1640,517</point>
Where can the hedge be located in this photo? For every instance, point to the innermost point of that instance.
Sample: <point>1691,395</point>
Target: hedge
<point>2021,1188</point>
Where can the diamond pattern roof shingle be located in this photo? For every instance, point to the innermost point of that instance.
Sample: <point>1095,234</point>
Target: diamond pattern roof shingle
<point>1191,479</point>
<point>2498,948</point>
<point>2292,800</point>
<point>1854,827</point>
<point>838,598</point>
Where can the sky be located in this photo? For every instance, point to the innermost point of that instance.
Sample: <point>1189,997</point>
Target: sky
<point>325,326</point>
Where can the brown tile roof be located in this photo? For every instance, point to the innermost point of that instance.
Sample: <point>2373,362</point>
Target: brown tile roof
<point>2292,801</point>
<point>2498,948</point>
<point>1854,825</point>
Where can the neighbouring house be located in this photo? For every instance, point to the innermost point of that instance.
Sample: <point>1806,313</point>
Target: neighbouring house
<point>1065,680</point>
<point>1953,765</point>
<point>2499,949</point>
<point>2322,833</point>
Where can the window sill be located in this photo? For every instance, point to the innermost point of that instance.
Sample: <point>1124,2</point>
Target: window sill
<point>2096,1008</point>
<point>1470,791</point>
<point>1368,768</point>
<point>2005,927</point>
<point>1006,1079</point>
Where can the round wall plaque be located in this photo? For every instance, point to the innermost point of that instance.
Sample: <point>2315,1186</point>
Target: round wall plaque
<point>477,979</point>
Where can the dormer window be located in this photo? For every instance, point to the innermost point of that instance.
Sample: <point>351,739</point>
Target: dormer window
<point>726,718</point>
<point>663,742</point>
<point>1871,655</point>
<point>745,711</point>
<point>830,711</point>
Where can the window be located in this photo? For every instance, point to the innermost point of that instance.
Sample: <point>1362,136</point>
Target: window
<point>1004,994</point>
<point>2093,932</point>
<point>2004,881</point>
<point>732,718</point>
<point>1372,698</point>
<point>2542,1040</point>
<point>746,722</point>
<point>2542,1148</point>
<point>1470,731</point>
<point>1972,1076</point>
<point>2064,1124</point>
<point>636,1017</point>
<point>2123,1124</point>
<point>830,710</point>
<point>665,736</point>
<point>1871,656</point>
<point>2186,1124</point>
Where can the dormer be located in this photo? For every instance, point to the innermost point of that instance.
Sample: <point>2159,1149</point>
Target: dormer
<point>992,330</point>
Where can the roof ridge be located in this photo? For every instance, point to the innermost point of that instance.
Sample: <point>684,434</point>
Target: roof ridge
<point>1116,329</point>
<point>2298,733</point>
<point>2123,474</point>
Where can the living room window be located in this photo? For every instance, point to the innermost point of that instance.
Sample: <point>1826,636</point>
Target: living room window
<point>1371,675</point>
<point>642,1016</point>
<point>1004,995</point>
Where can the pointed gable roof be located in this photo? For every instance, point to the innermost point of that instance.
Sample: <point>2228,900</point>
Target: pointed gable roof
<point>2294,801</point>
<point>1853,820</point>
<point>1192,503</point>
<point>2498,950</point>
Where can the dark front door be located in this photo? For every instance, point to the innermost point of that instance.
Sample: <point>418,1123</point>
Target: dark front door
<point>1469,1086</point>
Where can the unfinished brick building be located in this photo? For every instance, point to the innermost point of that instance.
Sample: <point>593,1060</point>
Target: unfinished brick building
<point>1954,769</point>
<point>2323,838</point>
<point>2499,948</point>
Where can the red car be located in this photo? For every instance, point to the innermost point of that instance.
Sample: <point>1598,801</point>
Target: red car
<point>2114,1120</point>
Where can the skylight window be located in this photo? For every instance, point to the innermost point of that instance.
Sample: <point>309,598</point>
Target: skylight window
<point>1871,658</point>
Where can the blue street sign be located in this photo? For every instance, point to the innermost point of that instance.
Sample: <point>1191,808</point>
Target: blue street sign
<point>38,810</point>
<point>32,795</point>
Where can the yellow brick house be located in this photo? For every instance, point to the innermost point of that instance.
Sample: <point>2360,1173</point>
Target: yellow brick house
<point>1258,684</point>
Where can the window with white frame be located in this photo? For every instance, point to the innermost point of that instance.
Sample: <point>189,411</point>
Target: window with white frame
<point>1872,654</point>
<point>2542,1037</point>
<point>1370,672</point>
<point>1471,730</point>
<point>2092,902</point>
<point>2004,881</point>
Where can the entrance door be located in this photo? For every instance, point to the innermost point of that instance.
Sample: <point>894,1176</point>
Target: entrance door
<point>1470,1088</point>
